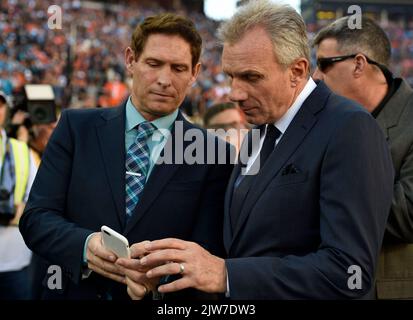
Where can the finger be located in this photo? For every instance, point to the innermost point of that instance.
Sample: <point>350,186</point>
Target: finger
<point>176,285</point>
<point>135,275</point>
<point>141,279</point>
<point>132,294</point>
<point>164,270</point>
<point>133,264</point>
<point>168,243</point>
<point>138,250</point>
<point>106,274</point>
<point>105,265</point>
<point>162,257</point>
<point>136,290</point>
<point>96,248</point>
<point>102,252</point>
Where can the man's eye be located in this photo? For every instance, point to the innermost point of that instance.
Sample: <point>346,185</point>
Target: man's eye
<point>180,69</point>
<point>251,77</point>
<point>153,64</point>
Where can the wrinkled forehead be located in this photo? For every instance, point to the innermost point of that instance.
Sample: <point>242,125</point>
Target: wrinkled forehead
<point>244,55</point>
<point>169,48</point>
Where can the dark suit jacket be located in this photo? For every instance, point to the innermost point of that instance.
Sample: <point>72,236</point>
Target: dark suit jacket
<point>80,186</point>
<point>395,269</point>
<point>299,231</point>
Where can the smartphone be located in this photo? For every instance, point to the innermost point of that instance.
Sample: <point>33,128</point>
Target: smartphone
<point>115,242</point>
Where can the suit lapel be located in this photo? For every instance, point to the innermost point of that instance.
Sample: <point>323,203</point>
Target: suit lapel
<point>159,178</point>
<point>228,232</point>
<point>289,143</point>
<point>227,205</point>
<point>111,137</point>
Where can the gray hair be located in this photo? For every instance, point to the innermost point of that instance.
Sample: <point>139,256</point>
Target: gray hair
<point>284,25</point>
<point>370,40</point>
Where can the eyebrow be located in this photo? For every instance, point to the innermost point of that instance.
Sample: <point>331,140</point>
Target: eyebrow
<point>178,64</point>
<point>244,73</point>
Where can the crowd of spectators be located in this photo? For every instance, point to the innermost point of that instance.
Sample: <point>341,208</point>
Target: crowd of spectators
<point>84,60</point>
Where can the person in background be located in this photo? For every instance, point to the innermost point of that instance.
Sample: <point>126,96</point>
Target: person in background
<point>16,177</point>
<point>227,116</point>
<point>36,135</point>
<point>40,135</point>
<point>354,63</point>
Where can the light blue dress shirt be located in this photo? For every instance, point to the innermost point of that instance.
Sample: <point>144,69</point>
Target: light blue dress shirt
<point>158,140</point>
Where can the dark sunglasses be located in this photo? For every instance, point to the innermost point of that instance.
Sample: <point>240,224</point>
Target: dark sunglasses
<point>324,63</point>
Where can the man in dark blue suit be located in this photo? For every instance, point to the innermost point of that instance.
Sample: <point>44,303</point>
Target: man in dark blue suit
<point>102,167</point>
<point>310,224</point>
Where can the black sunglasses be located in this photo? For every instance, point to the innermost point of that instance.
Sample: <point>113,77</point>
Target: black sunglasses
<point>324,63</point>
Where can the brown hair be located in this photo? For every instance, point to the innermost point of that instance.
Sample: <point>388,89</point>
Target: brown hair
<point>171,24</point>
<point>218,108</point>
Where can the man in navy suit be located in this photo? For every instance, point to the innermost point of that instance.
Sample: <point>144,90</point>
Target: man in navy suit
<point>101,167</point>
<point>310,224</point>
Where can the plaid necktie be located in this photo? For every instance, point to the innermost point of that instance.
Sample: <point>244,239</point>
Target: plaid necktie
<point>137,166</point>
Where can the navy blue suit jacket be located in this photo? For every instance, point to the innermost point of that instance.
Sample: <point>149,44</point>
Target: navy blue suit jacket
<point>299,231</point>
<point>80,186</point>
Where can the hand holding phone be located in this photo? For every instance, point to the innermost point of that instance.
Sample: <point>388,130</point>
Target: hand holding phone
<point>115,242</point>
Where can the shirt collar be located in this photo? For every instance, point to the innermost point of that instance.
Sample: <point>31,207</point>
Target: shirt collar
<point>134,117</point>
<point>283,123</point>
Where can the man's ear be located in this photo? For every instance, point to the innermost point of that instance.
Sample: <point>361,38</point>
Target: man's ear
<point>129,59</point>
<point>195,73</point>
<point>299,71</point>
<point>360,63</point>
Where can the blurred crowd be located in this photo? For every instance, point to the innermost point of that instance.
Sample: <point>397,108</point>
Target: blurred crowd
<point>84,60</point>
<point>84,63</point>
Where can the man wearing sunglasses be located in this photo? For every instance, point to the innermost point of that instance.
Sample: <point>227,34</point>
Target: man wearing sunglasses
<point>353,63</point>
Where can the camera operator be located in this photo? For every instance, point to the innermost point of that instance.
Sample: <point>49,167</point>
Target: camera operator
<point>17,171</point>
<point>36,135</point>
<point>38,139</point>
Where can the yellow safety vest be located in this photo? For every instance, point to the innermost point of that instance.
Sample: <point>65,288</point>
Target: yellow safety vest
<point>22,166</point>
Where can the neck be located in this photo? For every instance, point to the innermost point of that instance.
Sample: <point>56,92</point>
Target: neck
<point>148,116</point>
<point>370,96</point>
<point>299,89</point>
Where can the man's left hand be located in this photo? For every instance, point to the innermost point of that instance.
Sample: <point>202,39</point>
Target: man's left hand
<point>199,269</point>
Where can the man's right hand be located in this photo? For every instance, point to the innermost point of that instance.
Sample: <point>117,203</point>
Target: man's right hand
<point>103,261</point>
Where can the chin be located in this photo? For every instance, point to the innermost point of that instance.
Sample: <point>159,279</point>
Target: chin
<point>254,119</point>
<point>163,110</point>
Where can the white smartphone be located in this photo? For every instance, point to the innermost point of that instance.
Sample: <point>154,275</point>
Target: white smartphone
<point>115,242</point>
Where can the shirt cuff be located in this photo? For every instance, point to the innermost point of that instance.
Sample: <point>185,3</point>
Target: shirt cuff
<point>85,270</point>
<point>227,293</point>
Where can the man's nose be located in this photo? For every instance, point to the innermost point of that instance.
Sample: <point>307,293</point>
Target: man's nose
<point>317,74</point>
<point>237,94</point>
<point>164,78</point>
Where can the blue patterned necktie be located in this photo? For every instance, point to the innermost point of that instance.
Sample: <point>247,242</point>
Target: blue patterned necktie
<point>137,166</point>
